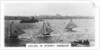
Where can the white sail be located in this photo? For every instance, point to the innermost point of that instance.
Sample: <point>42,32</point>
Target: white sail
<point>45,29</point>
<point>71,25</point>
<point>14,30</point>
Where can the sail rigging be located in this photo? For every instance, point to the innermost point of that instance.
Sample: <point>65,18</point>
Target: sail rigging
<point>14,30</point>
<point>45,29</point>
<point>71,25</point>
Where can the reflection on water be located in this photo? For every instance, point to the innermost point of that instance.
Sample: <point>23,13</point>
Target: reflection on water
<point>44,39</point>
<point>14,42</point>
<point>22,42</point>
<point>60,36</point>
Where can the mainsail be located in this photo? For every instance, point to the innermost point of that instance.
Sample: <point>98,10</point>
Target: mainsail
<point>71,25</point>
<point>45,29</point>
<point>14,31</point>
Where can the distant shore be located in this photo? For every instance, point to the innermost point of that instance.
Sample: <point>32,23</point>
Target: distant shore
<point>47,17</point>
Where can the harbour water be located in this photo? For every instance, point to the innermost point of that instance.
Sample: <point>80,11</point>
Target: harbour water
<point>85,30</point>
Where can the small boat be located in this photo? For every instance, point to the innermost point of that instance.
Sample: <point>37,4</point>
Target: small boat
<point>45,30</point>
<point>81,42</point>
<point>14,31</point>
<point>70,26</point>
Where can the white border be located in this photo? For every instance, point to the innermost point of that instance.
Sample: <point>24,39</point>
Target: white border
<point>96,25</point>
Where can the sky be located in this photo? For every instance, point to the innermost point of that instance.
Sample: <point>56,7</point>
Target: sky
<point>30,9</point>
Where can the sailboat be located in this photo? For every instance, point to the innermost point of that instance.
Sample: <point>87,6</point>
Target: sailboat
<point>14,31</point>
<point>70,26</point>
<point>45,30</point>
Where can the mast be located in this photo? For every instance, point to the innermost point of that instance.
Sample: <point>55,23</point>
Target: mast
<point>42,29</point>
<point>10,32</point>
<point>15,31</point>
<point>45,30</point>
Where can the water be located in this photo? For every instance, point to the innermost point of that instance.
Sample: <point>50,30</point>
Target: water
<point>85,30</point>
<point>14,42</point>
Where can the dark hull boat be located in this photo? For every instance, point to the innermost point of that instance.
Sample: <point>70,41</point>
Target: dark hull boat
<point>80,42</point>
<point>70,26</point>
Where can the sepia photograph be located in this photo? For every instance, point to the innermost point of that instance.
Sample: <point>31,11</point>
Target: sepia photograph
<point>49,23</point>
